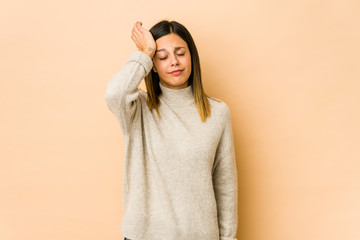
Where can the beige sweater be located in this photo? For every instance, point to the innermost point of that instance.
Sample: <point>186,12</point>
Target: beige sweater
<point>180,178</point>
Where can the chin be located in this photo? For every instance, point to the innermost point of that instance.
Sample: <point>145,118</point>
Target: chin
<point>175,84</point>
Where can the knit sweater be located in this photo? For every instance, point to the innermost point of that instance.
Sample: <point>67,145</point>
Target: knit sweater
<point>180,178</point>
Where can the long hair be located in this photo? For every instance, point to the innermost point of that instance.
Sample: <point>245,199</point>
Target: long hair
<point>152,80</point>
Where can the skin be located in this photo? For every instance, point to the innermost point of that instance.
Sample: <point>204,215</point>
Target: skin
<point>169,53</point>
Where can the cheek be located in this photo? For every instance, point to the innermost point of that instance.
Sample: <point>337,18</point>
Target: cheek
<point>188,63</point>
<point>160,66</point>
<point>188,60</point>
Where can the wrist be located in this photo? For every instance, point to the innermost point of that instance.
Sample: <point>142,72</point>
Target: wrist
<point>149,51</point>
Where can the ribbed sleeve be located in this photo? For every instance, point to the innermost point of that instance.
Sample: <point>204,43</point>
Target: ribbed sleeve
<point>225,183</point>
<point>122,91</point>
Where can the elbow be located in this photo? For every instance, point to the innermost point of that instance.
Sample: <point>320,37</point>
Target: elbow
<point>111,95</point>
<point>111,100</point>
<point>108,97</point>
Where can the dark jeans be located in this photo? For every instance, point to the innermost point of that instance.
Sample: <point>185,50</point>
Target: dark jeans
<point>126,238</point>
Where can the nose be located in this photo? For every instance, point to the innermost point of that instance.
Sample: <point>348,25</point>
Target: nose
<point>174,61</point>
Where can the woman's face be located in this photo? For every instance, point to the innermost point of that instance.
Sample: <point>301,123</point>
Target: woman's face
<point>172,54</point>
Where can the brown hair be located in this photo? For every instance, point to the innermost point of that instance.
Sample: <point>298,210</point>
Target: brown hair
<point>152,80</point>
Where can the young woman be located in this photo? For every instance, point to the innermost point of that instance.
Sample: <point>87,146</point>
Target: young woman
<point>180,178</point>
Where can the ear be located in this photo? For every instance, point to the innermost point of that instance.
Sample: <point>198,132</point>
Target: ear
<point>154,69</point>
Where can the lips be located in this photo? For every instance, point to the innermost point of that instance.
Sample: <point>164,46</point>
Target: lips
<point>177,71</point>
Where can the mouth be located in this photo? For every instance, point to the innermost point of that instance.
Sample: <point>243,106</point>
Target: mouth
<point>176,72</point>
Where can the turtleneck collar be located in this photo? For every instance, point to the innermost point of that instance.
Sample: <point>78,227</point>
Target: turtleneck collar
<point>176,97</point>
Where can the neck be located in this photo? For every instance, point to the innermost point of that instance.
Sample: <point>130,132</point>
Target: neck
<point>176,97</point>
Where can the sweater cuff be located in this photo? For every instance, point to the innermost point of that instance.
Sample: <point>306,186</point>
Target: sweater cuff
<point>142,58</point>
<point>227,238</point>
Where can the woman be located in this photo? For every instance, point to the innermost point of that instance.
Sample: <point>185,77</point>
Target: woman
<point>180,179</point>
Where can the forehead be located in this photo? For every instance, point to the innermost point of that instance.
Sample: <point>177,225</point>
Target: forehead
<point>169,42</point>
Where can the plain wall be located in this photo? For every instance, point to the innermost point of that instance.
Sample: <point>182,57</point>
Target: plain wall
<point>288,70</point>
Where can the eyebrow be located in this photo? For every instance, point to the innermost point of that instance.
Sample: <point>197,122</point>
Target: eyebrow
<point>177,48</point>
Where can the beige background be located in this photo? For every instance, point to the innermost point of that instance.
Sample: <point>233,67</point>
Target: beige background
<point>289,71</point>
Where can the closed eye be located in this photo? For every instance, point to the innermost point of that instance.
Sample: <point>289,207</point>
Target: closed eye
<point>166,56</point>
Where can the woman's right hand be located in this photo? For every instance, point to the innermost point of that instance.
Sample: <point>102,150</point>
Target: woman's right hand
<point>143,39</point>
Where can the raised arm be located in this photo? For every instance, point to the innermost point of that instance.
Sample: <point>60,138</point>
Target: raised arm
<point>225,183</point>
<point>122,92</point>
